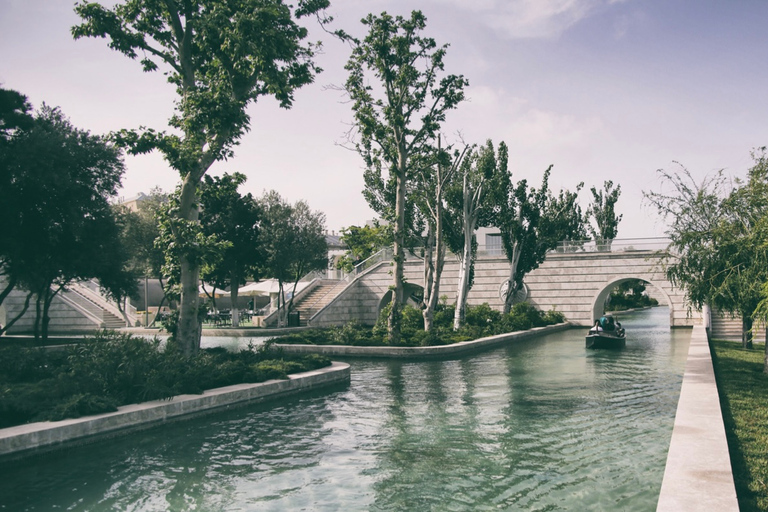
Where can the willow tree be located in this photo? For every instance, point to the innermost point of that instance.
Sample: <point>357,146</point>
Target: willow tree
<point>221,56</point>
<point>397,119</point>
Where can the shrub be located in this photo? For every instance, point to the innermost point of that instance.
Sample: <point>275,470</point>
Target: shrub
<point>113,369</point>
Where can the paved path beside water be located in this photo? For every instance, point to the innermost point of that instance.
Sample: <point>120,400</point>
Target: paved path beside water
<point>698,475</point>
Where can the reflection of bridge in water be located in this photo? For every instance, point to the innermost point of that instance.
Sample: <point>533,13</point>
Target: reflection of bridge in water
<point>575,279</point>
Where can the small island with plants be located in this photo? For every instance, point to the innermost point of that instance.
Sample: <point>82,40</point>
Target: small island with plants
<point>480,321</point>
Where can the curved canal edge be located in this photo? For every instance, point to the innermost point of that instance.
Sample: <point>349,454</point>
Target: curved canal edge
<point>698,474</point>
<point>35,438</point>
<point>433,352</point>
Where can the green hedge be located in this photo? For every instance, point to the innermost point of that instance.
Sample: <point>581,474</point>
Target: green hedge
<point>111,369</point>
<point>481,321</point>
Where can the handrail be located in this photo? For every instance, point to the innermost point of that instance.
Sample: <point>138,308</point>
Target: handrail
<point>84,288</point>
<point>614,245</point>
<point>85,311</point>
<point>301,292</point>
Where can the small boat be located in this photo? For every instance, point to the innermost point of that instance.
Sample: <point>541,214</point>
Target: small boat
<point>603,339</point>
<point>606,333</point>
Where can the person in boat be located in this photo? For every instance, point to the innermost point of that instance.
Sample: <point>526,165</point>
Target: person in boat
<point>607,323</point>
<point>596,327</point>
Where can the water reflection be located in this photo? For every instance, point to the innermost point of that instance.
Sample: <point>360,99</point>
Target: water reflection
<point>542,425</point>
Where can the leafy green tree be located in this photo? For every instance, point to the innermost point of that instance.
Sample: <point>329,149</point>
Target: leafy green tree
<point>397,120</point>
<point>15,114</point>
<point>473,201</point>
<point>293,244</point>
<point>60,227</point>
<point>532,222</point>
<point>221,56</point>
<point>362,242</point>
<point>235,219</point>
<point>140,229</point>
<point>718,249</point>
<point>602,211</point>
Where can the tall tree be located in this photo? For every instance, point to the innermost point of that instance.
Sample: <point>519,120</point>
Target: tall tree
<point>59,228</point>
<point>473,202</point>
<point>15,114</point>
<point>398,119</point>
<point>602,210</point>
<point>220,55</point>
<point>532,222</point>
<point>292,243</point>
<point>714,256</point>
<point>235,219</point>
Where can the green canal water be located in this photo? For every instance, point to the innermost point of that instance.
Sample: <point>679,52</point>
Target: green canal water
<point>541,425</point>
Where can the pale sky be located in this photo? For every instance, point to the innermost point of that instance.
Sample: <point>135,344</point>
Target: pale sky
<point>602,89</point>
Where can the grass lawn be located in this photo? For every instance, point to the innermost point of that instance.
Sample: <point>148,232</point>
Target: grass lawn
<point>743,391</point>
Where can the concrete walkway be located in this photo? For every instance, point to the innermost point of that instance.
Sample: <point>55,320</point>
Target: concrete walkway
<point>44,436</point>
<point>698,475</point>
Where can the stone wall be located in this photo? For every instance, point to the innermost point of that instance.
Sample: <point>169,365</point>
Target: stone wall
<point>65,318</point>
<point>574,284</point>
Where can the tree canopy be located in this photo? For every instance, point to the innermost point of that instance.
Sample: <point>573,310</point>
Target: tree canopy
<point>719,242</point>
<point>602,210</point>
<point>221,56</point>
<point>293,244</point>
<point>58,225</point>
<point>398,119</point>
<point>235,219</point>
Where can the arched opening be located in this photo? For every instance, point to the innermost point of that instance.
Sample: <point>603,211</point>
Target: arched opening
<point>413,294</point>
<point>653,290</point>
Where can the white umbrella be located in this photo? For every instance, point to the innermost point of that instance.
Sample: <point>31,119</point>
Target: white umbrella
<point>267,287</point>
<point>209,288</point>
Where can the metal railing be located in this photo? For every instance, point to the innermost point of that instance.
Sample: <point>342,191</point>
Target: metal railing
<point>91,290</point>
<point>616,245</point>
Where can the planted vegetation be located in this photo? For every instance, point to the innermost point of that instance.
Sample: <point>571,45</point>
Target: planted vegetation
<point>743,391</point>
<point>112,369</point>
<point>481,321</point>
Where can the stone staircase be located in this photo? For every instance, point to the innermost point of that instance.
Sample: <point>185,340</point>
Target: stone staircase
<point>98,314</point>
<point>317,298</point>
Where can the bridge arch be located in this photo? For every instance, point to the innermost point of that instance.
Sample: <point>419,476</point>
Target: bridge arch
<point>411,292</point>
<point>573,282</point>
<point>598,301</point>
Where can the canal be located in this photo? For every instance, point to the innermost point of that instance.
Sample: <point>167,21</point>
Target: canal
<point>541,425</point>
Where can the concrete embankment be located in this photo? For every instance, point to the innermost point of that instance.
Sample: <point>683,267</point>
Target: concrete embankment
<point>39,437</point>
<point>698,474</point>
<point>434,352</point>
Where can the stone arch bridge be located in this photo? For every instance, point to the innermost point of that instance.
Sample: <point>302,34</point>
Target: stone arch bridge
<point>574,280</point>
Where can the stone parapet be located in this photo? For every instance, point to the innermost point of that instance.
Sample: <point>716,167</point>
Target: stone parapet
<point>698,474</point>
<point>38,437</point>
<point>433,352</point>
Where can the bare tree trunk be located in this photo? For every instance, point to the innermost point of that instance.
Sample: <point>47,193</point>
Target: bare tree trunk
<point>8,325</point>
<point>10,285</point>
<point>48,299</point>
<point>429,275</point>
<point>188,331</point>
<point>512,285</point>
<point>234,279</point>
<point>765,358</point>
<point>393,321</point>
<point>746,331</point>
<point>465,260</point>
<point>465,264</point>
